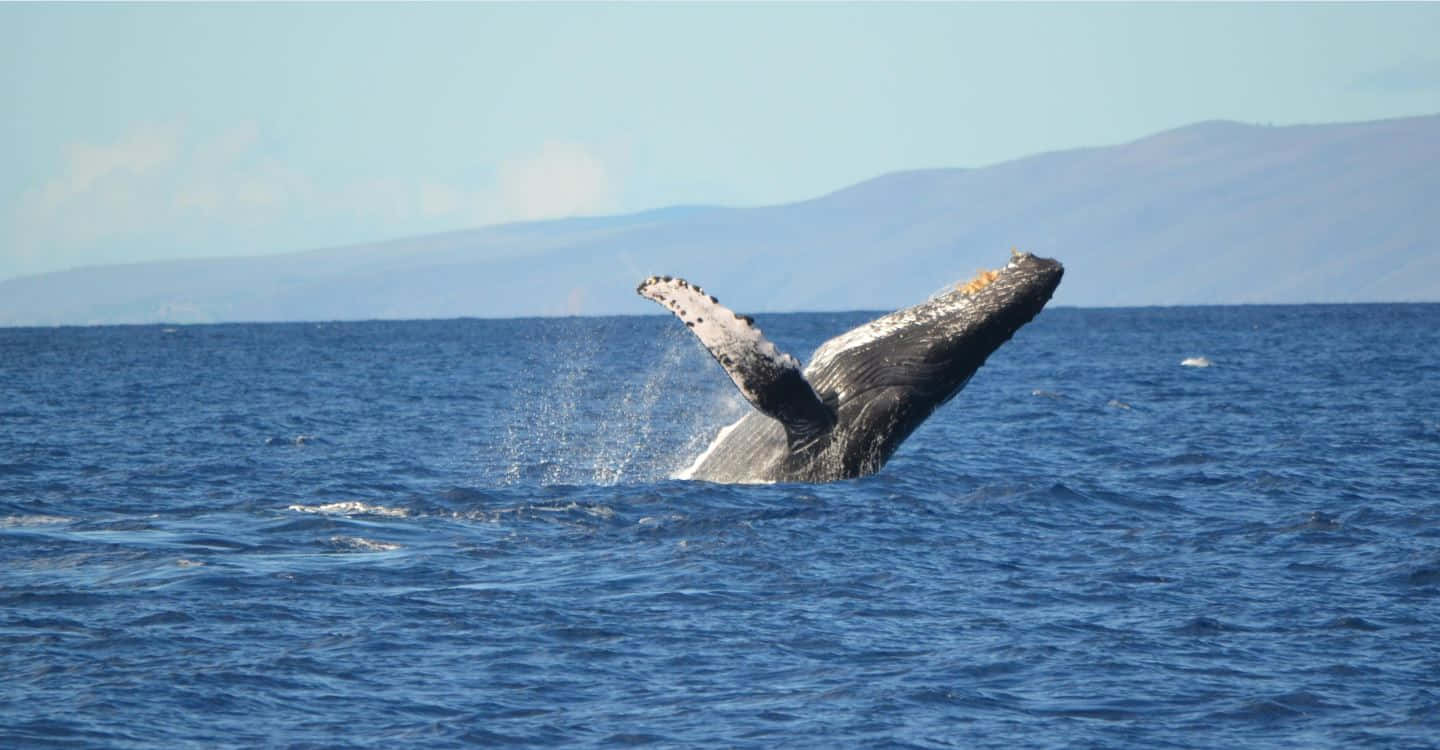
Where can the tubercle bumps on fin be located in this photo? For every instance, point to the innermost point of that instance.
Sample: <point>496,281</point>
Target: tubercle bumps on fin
<point>645,285</point>
<point>724,332</point>
<point>768,378</point>
<point>644,290</point>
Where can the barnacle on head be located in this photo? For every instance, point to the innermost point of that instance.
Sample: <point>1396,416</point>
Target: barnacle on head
<point>982,279</point>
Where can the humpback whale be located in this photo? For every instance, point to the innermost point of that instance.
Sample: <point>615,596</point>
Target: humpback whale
<point>863,391</point>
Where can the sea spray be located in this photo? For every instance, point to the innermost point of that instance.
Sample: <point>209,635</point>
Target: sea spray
<point>542,423</point>
<point>607,411</point>
<point>623,443</point>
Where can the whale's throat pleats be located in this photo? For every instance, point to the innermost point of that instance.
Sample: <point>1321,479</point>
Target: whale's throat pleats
<point>767,377</point>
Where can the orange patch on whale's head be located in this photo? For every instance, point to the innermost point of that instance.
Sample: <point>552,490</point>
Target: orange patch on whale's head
<point>982,279</point>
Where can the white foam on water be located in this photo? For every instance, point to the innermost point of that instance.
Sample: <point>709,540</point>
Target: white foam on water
<point>351,508</point>
<point>32,520</point>
<point>598,511</point>
<point>361,544</point>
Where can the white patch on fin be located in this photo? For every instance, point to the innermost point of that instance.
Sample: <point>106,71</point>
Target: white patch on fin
<point>730,336</point>
<point>767,377</point>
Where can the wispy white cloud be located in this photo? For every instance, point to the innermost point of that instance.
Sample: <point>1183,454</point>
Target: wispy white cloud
<point>563,179</point>
<point>138,153</point>
<point>161,191</point>
<point>95,177</point>
<point>229,177</point>
<point>152,180</point>
<point>558,180</point>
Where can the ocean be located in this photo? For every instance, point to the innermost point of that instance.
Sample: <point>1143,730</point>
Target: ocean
<point>463,533</point>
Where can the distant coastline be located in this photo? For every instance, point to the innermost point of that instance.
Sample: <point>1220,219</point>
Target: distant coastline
<point>1217,213</point>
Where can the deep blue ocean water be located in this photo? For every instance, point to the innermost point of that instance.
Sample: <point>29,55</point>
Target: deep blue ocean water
<point>462,533</point>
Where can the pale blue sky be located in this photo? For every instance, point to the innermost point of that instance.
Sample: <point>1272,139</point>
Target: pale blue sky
<point>140,132</point>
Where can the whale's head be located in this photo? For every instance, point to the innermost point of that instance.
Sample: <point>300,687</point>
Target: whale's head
<point>971,320</point>
<point>887,376</point>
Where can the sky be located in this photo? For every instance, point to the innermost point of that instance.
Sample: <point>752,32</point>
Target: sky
<point>160,131</point>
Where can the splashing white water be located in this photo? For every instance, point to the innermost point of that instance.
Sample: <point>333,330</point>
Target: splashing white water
<point>629,429</point>
<point>563,430</point>
<point>361,544</point>
<point>541,430</point>
<point>351,508</point>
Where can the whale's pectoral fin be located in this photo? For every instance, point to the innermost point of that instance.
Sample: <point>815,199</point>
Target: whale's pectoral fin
<point>767,377</point>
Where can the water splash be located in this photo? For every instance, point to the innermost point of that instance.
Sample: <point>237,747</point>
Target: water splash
<point>543,417</point>
<point>350,508</point>
<point>628,433</point>
<point>573,425</point>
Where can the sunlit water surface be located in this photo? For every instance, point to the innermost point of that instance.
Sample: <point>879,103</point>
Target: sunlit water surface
<point>456,533</point>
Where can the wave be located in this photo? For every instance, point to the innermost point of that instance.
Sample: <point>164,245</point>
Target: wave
<point>361,544</point>
<point>352,508</point>
<point>32,520</point>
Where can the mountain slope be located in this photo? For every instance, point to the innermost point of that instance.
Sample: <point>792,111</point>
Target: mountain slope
<point>1216,212</point>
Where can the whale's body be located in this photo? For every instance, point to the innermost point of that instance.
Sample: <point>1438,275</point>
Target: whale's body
<point>863,391</point>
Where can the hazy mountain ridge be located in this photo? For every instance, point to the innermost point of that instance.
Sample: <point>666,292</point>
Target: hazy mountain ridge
<point>1217,212</point>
